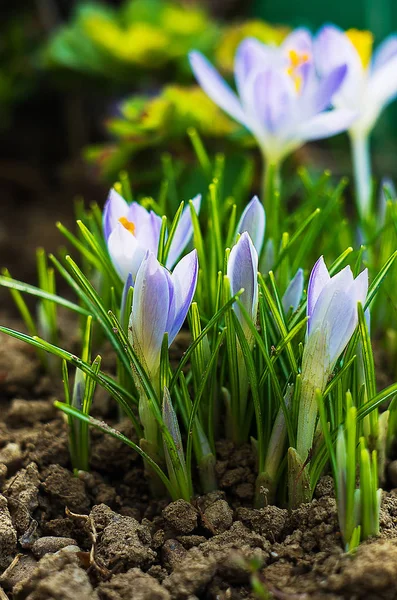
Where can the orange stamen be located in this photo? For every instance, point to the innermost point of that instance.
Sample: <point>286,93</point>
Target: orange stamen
<point>129,225</point>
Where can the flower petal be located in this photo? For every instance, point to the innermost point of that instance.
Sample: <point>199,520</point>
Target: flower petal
<point>319,277</point>
<point>271,99</point>
<point>383,84</point>
<point>253,221</point>
<point>384,52</point>
<point>149,311</point>
<point>293,293</point>
<point>183,233</point>
<point>184,281</point>
<point>242,270</point>
<point>251,55</point>
<point>125,252</point>
<point>327,88</point>
<point>215,86</point>
<point>115,208</point>
<point>326,124</point>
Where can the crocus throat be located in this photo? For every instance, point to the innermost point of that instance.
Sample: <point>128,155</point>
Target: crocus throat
<point>362,41</point>
<point>129,225</point>
<point>297,59</point>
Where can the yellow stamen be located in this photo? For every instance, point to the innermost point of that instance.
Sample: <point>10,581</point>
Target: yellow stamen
<point>297,59</point>
<point>129,225</point>
<point>362,41</point>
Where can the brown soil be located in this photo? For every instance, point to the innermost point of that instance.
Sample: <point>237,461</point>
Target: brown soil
<point>101,536</point>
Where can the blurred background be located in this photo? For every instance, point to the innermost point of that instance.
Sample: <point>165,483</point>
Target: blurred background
<point>91,88</point>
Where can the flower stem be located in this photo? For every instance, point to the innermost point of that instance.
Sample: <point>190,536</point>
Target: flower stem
<point>271,200</point>
<point>362,173</point>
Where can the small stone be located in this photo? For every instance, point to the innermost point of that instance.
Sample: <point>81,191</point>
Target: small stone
<point>8,536</point>
<point>50,545</point>
<point>218,517</point>
<point>172,553</point>
<point>11,457</point>
<point>181,516</point>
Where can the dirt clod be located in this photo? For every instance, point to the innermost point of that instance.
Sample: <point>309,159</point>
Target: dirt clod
<point>133,584</point>
<point>65,489</point>
<point>8,536</point>
<point>269,521</point>
<point>181,516</point>
<point>50,545</point>
<point>123,543</point>
<point>22,492</point>
<point>28,412</point>
<point>57,576</point>
<point>191,576</point>
<point>218,517</point>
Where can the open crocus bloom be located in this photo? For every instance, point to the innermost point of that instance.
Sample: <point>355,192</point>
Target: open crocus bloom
<point>131,231</point>
<point>253,221</point>
<point>371,80</point>
<point>332,310</point>
<point>279,97</point>
<point>160,304</point>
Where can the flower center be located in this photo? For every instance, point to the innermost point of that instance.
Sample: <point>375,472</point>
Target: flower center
<point>129,225</point>
<point>296,59</point>
<point>362,41</point>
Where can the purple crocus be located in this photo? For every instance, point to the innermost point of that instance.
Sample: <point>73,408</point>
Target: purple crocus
<point>253,221</point>
<point>280,99</point>
<point>131,231</point>
<point>242,271</point>
<point>293,293</point>
<point>333,317</point>
<point>160,304</point>
<point>370,85</point>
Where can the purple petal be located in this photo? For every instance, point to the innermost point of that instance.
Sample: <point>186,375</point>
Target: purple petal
<point>242,270</point>
<point>253,221</point>
<point>129,283</point>
<point>272,97</point>
<point>327,88</point>
<point>342,318</point>
<point>384,52</point>
<point>326,124</point>
<point>215,86</point>
<point>300,40</point>
<point>384,83</point>
<point>184,280</point>
<point>341,282</point>
<point>251,55</point>
<point>319,277</point>
<point>183,233</point>
<point>125,252</point>
<point>293,293</point>
<point>359,288</point>
<point>149,311</point>
<point>115,208</point>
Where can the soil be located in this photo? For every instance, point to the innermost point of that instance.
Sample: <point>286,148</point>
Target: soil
<point>100,536</point>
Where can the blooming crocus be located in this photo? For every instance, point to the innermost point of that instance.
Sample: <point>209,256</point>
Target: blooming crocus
<point>293,293</point>
<point>370,84</point>
<point>279,98</point>
<point>131,231</point>
<point>253,221</point>
<point>242,271</point>
<point>160,305</point>
<point>333,317</point>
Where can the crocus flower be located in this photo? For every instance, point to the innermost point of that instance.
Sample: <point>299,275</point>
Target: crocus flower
<point>293,293</point>
<point>333,317</point>
<point>242,271</point>
<point>131,231</point>
<point>160,305</point>
<point>253,221</point>
<point>370,84</point>
<point>279,98</point>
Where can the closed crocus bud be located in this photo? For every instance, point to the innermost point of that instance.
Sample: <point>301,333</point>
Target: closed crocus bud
<point>131,231</point>
<point>333,317</point>
<point>160,304</point>
<point>293,293</point>
<point>253,221</point>
<point>242,271</point>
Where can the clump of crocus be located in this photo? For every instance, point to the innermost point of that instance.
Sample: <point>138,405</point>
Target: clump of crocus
<point>370,84</point>
<point>160,304</point>
<point>131,231</point>
<point>333,317</point>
